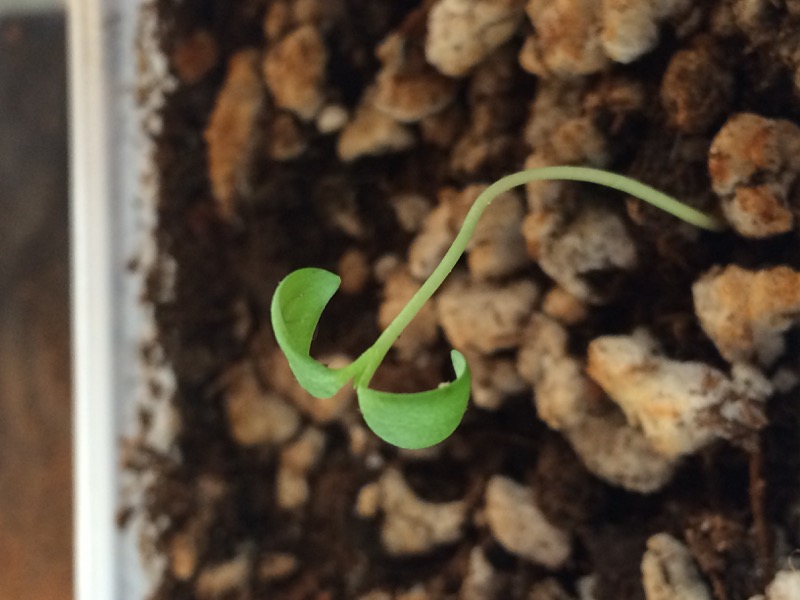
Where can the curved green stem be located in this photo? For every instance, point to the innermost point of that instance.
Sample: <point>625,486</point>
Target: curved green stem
<point>380,348</point>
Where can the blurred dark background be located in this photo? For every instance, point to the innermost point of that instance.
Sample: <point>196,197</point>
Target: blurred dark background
<point>35,423</point>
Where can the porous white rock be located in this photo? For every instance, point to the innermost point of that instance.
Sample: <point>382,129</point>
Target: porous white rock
<point>561,390</point>
<point>754,163</point>
<point>411,210</point>
<point>368,501</point>
<point>566,41</point>
<point>578,140</point>
<point>594,240</point>
<point>294,70</point>
<point>746,313</point>
<point>562,306</point>
<point>372,132</point>
<point>407,88</point>
<point>230,127</point>
<point>556,101</point>
<point>414,526</point>
<point>493,379</point>
<point>296,460</point>
<point>585,587</point>
<point>182,554</point>
<point>461,33</point>
<point>784,586</point>
<point>679,406</point>
<point>255,415</point>
<point>276,566</point>
<point>630,29</point>
<point>669,572</point>
<point>520,526</point>
<point>618,453</point>
<point>570,402</point>
<point>483,317</point>
<point>331,119</point>
<point>481,581</point>
<point>581,37</point>
<point>223,579</point>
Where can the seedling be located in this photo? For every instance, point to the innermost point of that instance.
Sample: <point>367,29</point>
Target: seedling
<point>419,420</point>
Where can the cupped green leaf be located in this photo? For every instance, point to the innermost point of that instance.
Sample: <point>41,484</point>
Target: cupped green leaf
<point>422,419</point>
<point>296,308</point>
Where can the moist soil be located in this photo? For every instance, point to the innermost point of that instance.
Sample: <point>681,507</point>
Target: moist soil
<point>731,505</point>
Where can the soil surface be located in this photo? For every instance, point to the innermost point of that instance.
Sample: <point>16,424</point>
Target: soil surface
<point>339,135</point>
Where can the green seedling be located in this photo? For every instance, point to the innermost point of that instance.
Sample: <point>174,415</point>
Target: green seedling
<point>419,420</point>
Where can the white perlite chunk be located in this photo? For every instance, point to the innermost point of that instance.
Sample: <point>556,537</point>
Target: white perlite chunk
<point>493,379</point>
<point>372,132</point>
<point>294,70</point>
<point>520,526</point>
<point>566,41</point>
<point>571,403</point>
<point>256,416</point>
<point>230,128</point>
<point>461,33</point>
<point>331,119</point>
<point>548,589</point>
<point>754,163</point>
<point>585,587</point>
<point>483,317</point>
<point>784,586</point>
<point>679,406</point>
<point>368,501</point>
<point>595,240</point>
<point>297,459</point>
<point>412,525</point>
<point>411,210</point>
<point>481,581</point>
<point>746,313</point>
<point>276,566</point>
<point>581,37</point>
<point>562,306</point>
<point>669,572</point>
<point>620,454</point>
<point>561,391</point>
<point>407,88</point>
<point>630,29</point>
<point>223,579</point>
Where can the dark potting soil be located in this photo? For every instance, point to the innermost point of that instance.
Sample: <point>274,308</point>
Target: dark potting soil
<point>727,502</point>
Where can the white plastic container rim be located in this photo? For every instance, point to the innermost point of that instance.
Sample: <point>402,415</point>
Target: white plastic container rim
<point>106,167</point>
